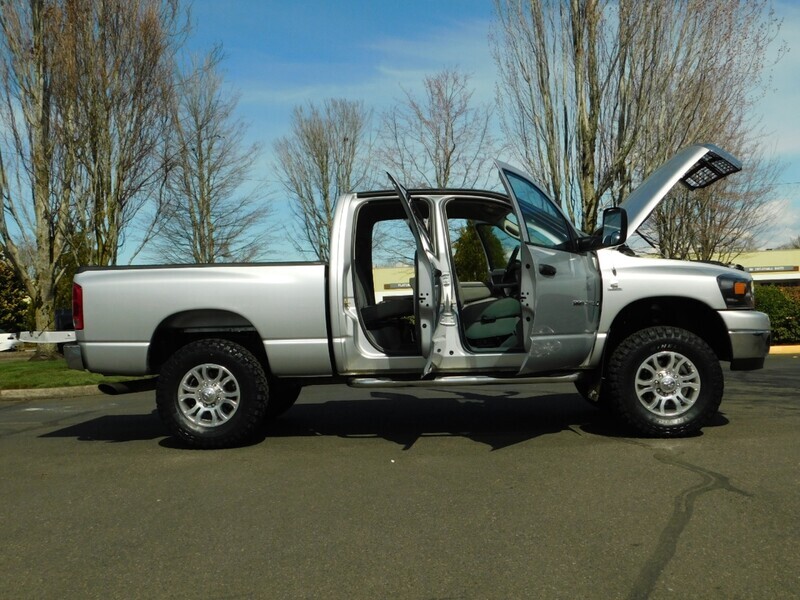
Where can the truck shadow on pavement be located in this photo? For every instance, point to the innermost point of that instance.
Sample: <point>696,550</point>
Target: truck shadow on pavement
<point>497,420</point>
<point>115,428</point>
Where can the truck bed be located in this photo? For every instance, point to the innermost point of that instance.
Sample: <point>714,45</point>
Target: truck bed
<point>127,307</point>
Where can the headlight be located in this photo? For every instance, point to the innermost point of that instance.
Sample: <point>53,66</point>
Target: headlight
<point>737,291</point>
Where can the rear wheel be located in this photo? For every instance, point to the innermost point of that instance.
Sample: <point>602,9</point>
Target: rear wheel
<point>665,381</point>
<point>212,394</point>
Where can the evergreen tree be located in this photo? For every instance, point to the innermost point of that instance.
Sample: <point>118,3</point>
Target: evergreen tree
<point>469,256</point>
<point>13,304</point>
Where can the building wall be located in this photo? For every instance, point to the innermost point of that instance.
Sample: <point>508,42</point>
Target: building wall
<point>772,266</point>
<point>392,281</point>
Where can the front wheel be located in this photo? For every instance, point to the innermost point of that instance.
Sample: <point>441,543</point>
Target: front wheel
<point>665,381</point>
<point>212,394</point>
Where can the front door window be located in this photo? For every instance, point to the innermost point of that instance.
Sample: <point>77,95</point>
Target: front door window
<point>545,225</point>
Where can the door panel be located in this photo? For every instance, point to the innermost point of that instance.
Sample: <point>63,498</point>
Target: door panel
<point>565,308</point>
<point>428,275</point>
<point>559,288</point>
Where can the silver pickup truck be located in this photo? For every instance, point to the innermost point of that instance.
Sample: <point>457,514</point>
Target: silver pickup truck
<point>232,345</point>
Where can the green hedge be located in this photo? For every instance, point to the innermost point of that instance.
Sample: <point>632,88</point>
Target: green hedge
<point>782,304</point>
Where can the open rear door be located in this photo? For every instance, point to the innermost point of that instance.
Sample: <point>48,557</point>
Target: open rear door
<point>428,276</point>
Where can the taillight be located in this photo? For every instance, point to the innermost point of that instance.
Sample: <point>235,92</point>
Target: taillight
<point>77,307</point>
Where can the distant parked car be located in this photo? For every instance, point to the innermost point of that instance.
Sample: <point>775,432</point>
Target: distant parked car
<point>8,341</point>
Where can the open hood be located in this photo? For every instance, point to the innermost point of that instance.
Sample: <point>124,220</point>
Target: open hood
<point>696,167</point>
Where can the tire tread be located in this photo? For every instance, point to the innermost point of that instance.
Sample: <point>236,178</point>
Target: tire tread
<point>617,385</point>
<point>254,412</point>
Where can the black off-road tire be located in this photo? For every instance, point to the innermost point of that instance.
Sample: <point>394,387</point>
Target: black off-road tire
<point>212,393</point>
<point>665,382</point>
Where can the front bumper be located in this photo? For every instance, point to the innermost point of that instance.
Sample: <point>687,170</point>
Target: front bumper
<point>750,336</point>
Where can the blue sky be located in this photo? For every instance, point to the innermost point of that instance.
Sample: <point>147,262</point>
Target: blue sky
<point>279,54</point>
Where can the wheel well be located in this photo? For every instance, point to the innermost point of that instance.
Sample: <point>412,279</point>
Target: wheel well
<point>180,329</point>
<point>685,313</point>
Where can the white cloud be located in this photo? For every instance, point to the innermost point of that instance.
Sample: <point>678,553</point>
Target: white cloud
<point>464,45</point>
<point>784,221</point>
<point>380,67</point>
<point>779,107</point>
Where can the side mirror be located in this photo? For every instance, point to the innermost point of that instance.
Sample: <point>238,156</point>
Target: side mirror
<point>615,227</point>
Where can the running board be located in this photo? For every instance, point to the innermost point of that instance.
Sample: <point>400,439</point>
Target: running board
<point>457,380</point>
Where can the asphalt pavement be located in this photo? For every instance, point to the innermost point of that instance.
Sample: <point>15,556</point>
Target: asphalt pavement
<point>496,492</point>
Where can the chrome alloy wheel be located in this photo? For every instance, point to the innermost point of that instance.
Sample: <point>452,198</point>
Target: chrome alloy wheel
<point>667,384</point>
<point>208,395</point>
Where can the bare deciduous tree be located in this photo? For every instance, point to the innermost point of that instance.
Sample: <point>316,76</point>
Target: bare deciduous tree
<point>37,170</point>
<point>209,217</point>
<point>597,93</point>
<point>118,66</point>
<point>325,155</point>
<point>83,89</point>
<point>440,140</point>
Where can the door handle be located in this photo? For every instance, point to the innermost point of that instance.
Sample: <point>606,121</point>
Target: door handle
<point>548,270</point>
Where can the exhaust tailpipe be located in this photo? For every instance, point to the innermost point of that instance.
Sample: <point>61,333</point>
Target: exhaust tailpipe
<point>128,387</point>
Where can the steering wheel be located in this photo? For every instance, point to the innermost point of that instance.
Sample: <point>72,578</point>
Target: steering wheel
<point>511,272</point>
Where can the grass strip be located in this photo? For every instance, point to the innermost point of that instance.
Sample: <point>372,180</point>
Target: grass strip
<point>35,374</point>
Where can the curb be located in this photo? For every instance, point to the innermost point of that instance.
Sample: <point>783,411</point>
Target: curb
<point>50,393</point>
<point>785,349</point>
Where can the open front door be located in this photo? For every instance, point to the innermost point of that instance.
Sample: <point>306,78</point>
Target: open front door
<point>559,287</point>
<point>426,275</point>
